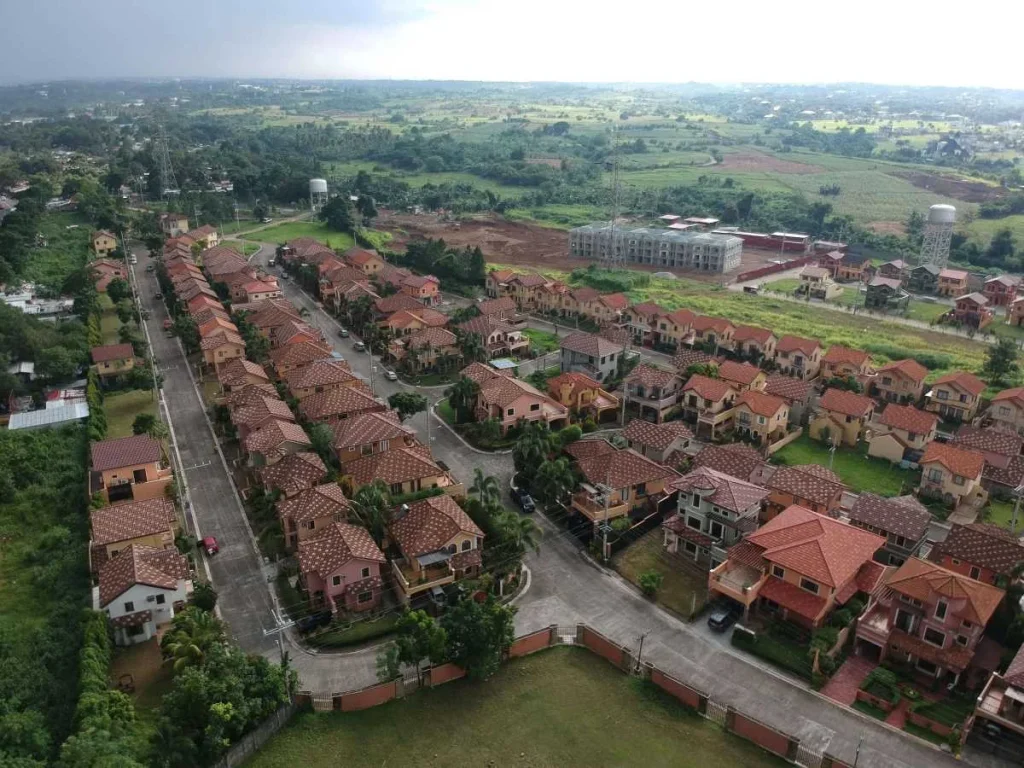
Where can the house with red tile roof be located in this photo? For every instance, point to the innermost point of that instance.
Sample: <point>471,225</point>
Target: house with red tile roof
<point>797,394</point>
<point>106,270</point>
<point>321,376</point>
<point>407,321</point>
<point>140,590</point>
<point>980,551</point>
<point>930,618</point>
<point>607,308</point>
<point>902,432</point>
<point>714,511</point>
<point>428,349</point>
<point>1014,311</point>
<point>841,417</point>
<point>237,373</point>
<point>1001,704</point>
<point>664,443</point>
<point>202,302</point>
<point>293,474</point>
<point>112,360</point>
<point>273,441</point>
<point>901,381</point>
<point>404,469</point>
<point>1001,290</point>
<point>173,224</point>
<point>1004,462</point>
<point>503,308</point>
<point>257,410</point>
<point>369,262</point>
<point>367,434</point>
<point>713,333</point>
<point>709,402</point>
<point>902,520</point>
<point>810,486</point>
<point>799,357</point>
<point>952,282</point>
<point>743,376</point>
<point>754,344</point>
<point>439,544</point>
<point>510,400</point>
<point>310,511</point>
<point>616,483</point>
<point>735,459</point>
<point>222,348</point>
<point>340,566</point>
<point>128,468</point>
<point>971,310</point>
<point>642,320</point>
<point>1006,412</point>
<point>587,448</point>
<point>426,289</point>
<point>205,235</point>
<point>295,332</point>
<point>955,396</point>
<point>216,325</point>
<point>292,357</point>
<point>799,566</point>
<point>583,395</point>
<point>589,354</point>
<point>652,393</point>
<point>760,417</point>
<point>952,474</point>
<point>674,329</point>
<point>498,337</point>
<point>151,523</point>
<point>249,395</point>
<point>840,361</point>
<point>496,284</point>
<point>334,405</point>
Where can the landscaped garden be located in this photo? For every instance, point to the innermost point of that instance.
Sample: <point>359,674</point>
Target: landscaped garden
<point>558,707</point>
<point>683,592</point>
<point>858,471</point>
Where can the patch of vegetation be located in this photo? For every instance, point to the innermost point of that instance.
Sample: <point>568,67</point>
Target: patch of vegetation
<point>858,471</point>
<point>291,230</point>
<point>680,591</point>
<point>541,342</point>
<point>361,630</point>
<point>122,407</point>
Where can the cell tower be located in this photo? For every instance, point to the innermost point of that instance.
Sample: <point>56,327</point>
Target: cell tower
<point>168,184</point>
<point>615,254</point>
<point>938,231</point>
<point>317,194</point>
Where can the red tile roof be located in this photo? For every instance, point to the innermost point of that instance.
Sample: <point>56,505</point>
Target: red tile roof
<point>710,323</point>
<point>110,352</point>
<point>239,370</point>
<point>341,402</point>
<point>708,388</point>
<point>908,418</point>
<point>328,551</point>
<point>1014,674</point>
<point>622,468</point>
<point>432,337</point>
<point>136,564</point>
<point>808,481</point>
<point>398,465</point>
<point>221,340</point>
<point>846,403</point>
<point>733,459</point>
<point>793,598</point>
<point>293,473</point>
<point>928,582</point>
<point>302,353</point>
<point>687,357</point>
<point>657,436</point>
<point>504,390</point>
<point>430,524</point>
<point>838,354</point>
<point>761,403</point>
<point>615,301</point>
<point>1014,393</point>
<point>125,452</point>
<point>993,441</point>
<point>396,302</point>
<point>503,305</point>
<point>312,503</point>
<point>963,380</point>
<point>131,520</point>
<point>589,344</point>
<point>912,369</point>
<point>366,428</point>
<point>578,382</point>
<point>480,372</point>
<point>727,492</point>
<point>743,374</point>
<point>797,344</point>
<point>752,333</point>
<point>892,515</point>
<point>322,373</point>
<point>959,461</point>
<point>259,410</point>
<point>681,317</point>
<point>268,439</point>
<point>649,376</point>
<point>424,316</point>
<point>361,256</point>
<point>984,545</point>
<point>584,449</point>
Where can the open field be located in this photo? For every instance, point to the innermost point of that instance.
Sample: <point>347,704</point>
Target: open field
<point>682,591</point>
<point>858,470</point>
<point>543,710</point>
<point>121,408</point>
<point>282,233</point>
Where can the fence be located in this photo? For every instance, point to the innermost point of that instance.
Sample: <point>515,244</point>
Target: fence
<point>782,442</point>
<point>771,269</point>
<point>252,741</point>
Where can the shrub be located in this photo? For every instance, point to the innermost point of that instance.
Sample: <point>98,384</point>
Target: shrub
<point>824,639</point>
<point>841,618</point>
<point>650,582</point>
<point>589,425</point>
<point>855,606</point>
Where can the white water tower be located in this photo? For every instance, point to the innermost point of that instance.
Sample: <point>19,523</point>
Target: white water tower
<point>938,231</point>
<point>317,193</point>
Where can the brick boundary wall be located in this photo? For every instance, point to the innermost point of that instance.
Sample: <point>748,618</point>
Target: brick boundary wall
<point>771,269</point>
<point>367,697</point>
<point>618,655</point>
<point>763,735</point>
<point>443,673</point>
<point>535,641</point>
<point>684,693</point>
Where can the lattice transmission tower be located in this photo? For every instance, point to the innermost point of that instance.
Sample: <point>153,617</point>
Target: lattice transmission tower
<point>168,184</point>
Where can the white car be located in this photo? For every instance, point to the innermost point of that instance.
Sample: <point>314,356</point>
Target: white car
<point>390,375</point>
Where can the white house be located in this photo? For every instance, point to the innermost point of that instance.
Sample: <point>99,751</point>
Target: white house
<point>140,589</point>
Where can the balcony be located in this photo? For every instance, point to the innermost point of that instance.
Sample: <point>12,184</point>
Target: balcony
<point>874,626</point>
<point>594,509</point>
<point>740,582</point>
<point>742,524</point>
<point>413,582</point>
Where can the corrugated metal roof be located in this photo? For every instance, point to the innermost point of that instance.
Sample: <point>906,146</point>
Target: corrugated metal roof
<point>50,417</point>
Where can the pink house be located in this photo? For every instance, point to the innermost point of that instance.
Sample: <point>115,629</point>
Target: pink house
<point>508,400</point>
<point>426,289</point>
<point>340,567</point>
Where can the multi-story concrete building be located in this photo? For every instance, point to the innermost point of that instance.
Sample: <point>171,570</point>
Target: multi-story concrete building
<point>700,251</point>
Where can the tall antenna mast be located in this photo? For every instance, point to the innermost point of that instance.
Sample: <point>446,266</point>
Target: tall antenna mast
<point>614,257</point>
<point>168,184</point>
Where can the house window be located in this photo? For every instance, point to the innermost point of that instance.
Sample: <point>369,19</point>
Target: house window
<point>904,620</point>
<point>535,407</point>
<point>966,624</point>
<point>778,572</point>
<point>942,394</point>
<point>975,572</point>
<point>809,585</point>
<point>365,573</point>
<point>336,581</point>
<point>364,597</point>
<point>367,449</point>
<point>940,609</point>
<point>511,412</point>
<point>716,530</point>
<point>935,475</point>
<point>690,547</point>
<point>129,607</point>
<point>467,545</point>
<point>899,541</point>
<point>693,522</point>
<point>161,599</point>
<point>934,637</point>
<point>961,640</point>
<point>958,480</point>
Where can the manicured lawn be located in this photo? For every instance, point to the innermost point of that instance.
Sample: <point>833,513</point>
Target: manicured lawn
<point>121,408</point>
<point>282,233</point>
<point>557,708</point>
<point>1001,513</point>
<point>243,248</point>
<point>925,311</point>
<point>446,412</point>
<point>681,591</point>
<point>858,470</point>
<point>109,322</point>
<point>785,285</point>
<point>541,341</point>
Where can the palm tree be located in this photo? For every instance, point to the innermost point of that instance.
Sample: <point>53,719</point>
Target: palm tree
<point>524,532</point>
<point>532,447</point>
<point>486,488</point>
<point>412,359</point>
<point>472,348</point>
<point>371,508</point>
<point>462,398</point>
<point>553,480</point>
<point>192,635</point>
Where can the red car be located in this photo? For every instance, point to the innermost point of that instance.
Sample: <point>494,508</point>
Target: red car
<point>210,544</point>
<point>168,324</point>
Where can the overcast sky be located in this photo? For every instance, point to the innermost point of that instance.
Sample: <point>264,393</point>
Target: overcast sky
<point>899,42</point>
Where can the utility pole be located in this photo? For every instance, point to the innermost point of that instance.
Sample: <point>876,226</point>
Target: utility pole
<point>640,652</point>
<point>856,757</point>
<point>1016,508</point>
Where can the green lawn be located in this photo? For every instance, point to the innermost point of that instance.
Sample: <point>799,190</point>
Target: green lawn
<point>556,708</point>
<point>682,591</point>
<point>925,311</point>
<point>858,470</point>
<point>541,341</point>
<point>1001,513</point>
<point>282,233</point>
<point>446,412</point>
<point>245,249</point>
<point>121,408</point>
<point>109,322</point>
<point>359,631</point>
<point>785,285</point>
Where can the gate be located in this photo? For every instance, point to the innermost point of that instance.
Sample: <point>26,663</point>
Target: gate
<point>715,712</point>
<point>323,702</point>
<point>567,635</point>
<point>410,683</point>
<point>808,757</point>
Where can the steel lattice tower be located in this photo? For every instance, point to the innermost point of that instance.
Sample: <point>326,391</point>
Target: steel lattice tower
<point>168,184</point>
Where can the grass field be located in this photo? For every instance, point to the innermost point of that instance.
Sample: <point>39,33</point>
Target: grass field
<point>282,233</point>
<point>681,591</point>
<point>246,249</point>
<point>1001,513</point>
<point>121,408</point>
<point>557,708</point>
<point>541,341</point>
<point>109,322</point>
<point>859,471</point>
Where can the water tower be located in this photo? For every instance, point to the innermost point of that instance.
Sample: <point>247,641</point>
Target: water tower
<point>938,230</point>
<point>317,193</point>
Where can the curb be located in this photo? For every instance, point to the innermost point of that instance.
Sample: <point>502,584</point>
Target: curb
<point>446,425</point>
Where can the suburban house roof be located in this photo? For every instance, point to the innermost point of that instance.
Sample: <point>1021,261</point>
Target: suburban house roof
<point>647,308</point>
<point>425,316</point>
<point>433,337</point>
<point>711,323</point>
<point>318,501</point>
<point>396,302</point>
<point>420,281</point>
<point>1006,280</point>
<point>239,369</point>
<point>250,393</point>
<point>531,280</point>
<point>682,317</point>
<point>622,468</point>
<point>125,452</point>
<point>110,352</point>
<point>261,408</point>
<point>708,388</point>
<point>576,381</point>
<point>399,465</point>
<point>273,435</point>
<point>797,344</point>
<point>361,256</point>
<point>1013,393</point>
<point>912,369</point>
<point>137,564</point>
<point>497,306</point>
<point>584,294</point>
<point>902,516</point>
<point>430,524</point>
<point>982,544</point>
<point>657,436</point>
<point>929,268</point>
<point>888,282</point>
<point>366,428</point>
<point>729,492</point>
<point>752,333</point>
<point>503,390</point>
<point>928,582</point>
<point>846,403</point>
<point>687,357</point>
<point>481,372</point>
<point>584,449</point>
<point>760,403</point>
<point>788,388</point>
<point>823,549</point>
<point>838,354</point>
<point>959,461</point>
<point>953,274</point>
<point>994,441</point>
<point>589,344</point>
<point>743,374</point>
<point>322,373</point>
<point>615,301</point>
<point>131,520</point>
<point>338,402</point>
<point>501,275</point>
<point>735,459</point>
<point>963,380</point>
<point>221,340</point>
<point>294,472</point>
<point>974,298</point>
<point>908,418</point>
<point>649,376</point>
<point>302,353</point>
<point>330,549</point>
<point>807,481</point>
<point>1014,674</point>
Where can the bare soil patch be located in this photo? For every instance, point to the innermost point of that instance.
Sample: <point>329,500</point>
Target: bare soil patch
<point>554,162</point>
<point>968,191</point>
<point>758,162</point>
<point>887,227</point>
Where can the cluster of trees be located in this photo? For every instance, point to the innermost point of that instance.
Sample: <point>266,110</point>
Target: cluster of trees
<point>454,267</point>
<point>59,350</point>
<point>1000,209</point>
<point>539,463</point>
<point>855,143</point>
<point>508,536</point>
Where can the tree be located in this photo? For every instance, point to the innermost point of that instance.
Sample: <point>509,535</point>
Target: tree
<point>118,289</point>
<point>532,447</point>
<point>321,438</point>
<point>478,635</point>
<point>519,531</point>
<point>337,214</point>
<point>185,329</point>
<point>367,209</point>
<point>1001,248</point>
<point>650,582</point>
<point>486,488</point>
<point>57,364</point>
<point>193,633</point>
<point>125,310</point>
<point>204,597</point>
<point>1001,365</point>
<point>149,424</point>
<point>407,404</point>
<point>371,508</point>
<point>472,348</point>
<point>419,637</point>
<point>553,480</point>
<point>462,398</point>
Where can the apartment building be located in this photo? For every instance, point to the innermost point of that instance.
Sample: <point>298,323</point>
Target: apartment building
<point>701,251</point>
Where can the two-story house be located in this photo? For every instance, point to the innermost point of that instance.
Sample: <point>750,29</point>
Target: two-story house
<point>586,353</point>
<point>952,282</point>
<point>799,566</point>
<point>523,288</point>
<point>222,348</point>
<point>1004,462</point>
<point>608,308</point>
<point>173,224</point>
<point>665,443</point>
<point>291,357</point>
<point>742,376</point>
<point>999,713</point>
<point>293,474</point>
<point>503,308</point>
<point>846,267</point>
<point>955,396</point>
<point>673,329</point>
<point>366,261</point>
<point>105,271</point>
<point>886,294</point>
<point>971,310</point>
<point>439,544</point>
<point>841,417</point>
<point>952,474</point>
<point>321,376</point>
<point>763,418</point>
<point>810,486</point>
<point>273,441</point>
<point>103,242</point>
<point>140,590</point>
<point>113,360</point>
<point>897,269</point>
<point>336,405</point>
<point>901,433</point>
<point>509,400</point>
<point>424,350</point>
<point>797,394</point>
<point>714,511</point>
<point>403,469</point>
<point>799,357</point>
<point>902,520</point>
<point>924,279</point>
<point>498,337</point>
<point>237,374</point>
<point>206,236</point>
<point>150,523</point>
<point>584,396</point>
<point>310,511</point>
<point>901,381</point>
<point>257,410</point>
<point>817,283</point>
<point>339,566</point>
<point>617,482</point>
<point>736,460</point>
<point>754,344</point>
<point>652,393</point>
<point>709,403</point>
<point>496,284</point>
<point>128,469</point>
<point>928,617</point>
<point>407,321</point>
<point>1006,413</point>
<point>369,433</point>
<point>426,289</point>
<point>980,551</point>
<point>714,334</point>
<point>642,319</point>
<point>1001,291</point>
<point>842,362</point>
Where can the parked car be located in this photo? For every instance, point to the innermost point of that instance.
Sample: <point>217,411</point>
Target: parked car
<point>134,259</point>
<point>359,346</point>
<point>150,267</point>
<point>721,618</point>
<point>266,220</point>
<point>168,324</point>
<point>523,499</point>
<point>209,543</point>
<point>343,333</point>
<point>390,375</point>
<point>313,621</point>
<point>158,295</point>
